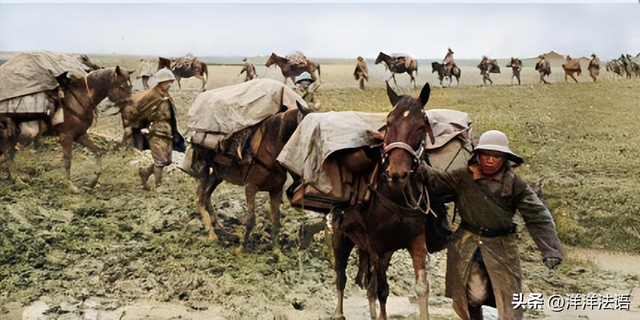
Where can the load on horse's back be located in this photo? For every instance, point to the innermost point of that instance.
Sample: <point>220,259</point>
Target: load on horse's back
<point>186,67</point>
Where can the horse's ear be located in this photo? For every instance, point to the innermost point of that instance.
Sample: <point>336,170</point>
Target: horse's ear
<point>393,96</point>
<point>118,70</point>
<point>424,94</point>
<point>62,79</point>
<point>302,109</point>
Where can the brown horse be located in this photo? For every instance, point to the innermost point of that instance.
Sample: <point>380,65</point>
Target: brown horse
<point>544,68</point>
<point>570,67</point>
<point>396,217</point>
<point>516,67</point>
<point>196,69</point>
<point>262,173</point>
<point>399,64</point>
<point>292,70</point>
<point>81,96</point>
<point>443,73</point>
<point>487,67</point>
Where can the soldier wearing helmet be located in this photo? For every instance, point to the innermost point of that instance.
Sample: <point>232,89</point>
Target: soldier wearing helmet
<point>306,87</point>
<point>483,267</point>
<point>156,117</point>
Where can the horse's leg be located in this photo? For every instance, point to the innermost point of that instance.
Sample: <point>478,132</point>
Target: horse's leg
<point>145,82</point>
<point>85,141</point>
<point>418,252</point>
<point>275,198</point>
<point>342,247</point>
<point>207,183</point>
<point>383,285</point>
<point>178,78</point>
<point>574,78</point>
<point>67,143</point>
<point>250,191</point>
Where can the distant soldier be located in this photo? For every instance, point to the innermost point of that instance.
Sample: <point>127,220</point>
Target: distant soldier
<point>594,67</point>
<point>448,62</point>
<point>306,87</point>
<point>543,67</point>
<point>156,108</point>
<point>516,67</point>
<point>249,70</point>
<point>361,72</point>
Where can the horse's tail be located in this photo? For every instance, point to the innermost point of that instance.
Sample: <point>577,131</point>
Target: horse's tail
<point>319,76</point>
<point>416,67</point>
<point>365,269</point>
<point>205,71</point>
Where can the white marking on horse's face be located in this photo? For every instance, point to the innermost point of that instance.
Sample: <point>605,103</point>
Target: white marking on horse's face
<point>406,113</point>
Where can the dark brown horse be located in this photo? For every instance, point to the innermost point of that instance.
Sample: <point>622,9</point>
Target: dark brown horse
<point>262,173</point>
<point>516,67</point>
<point>544,68</point>
<point>442,72</point>
<point>196,69</point>
<point>81,96</point>
<point>292,70</point>
<point>397,215</point>
<point>399,64</point>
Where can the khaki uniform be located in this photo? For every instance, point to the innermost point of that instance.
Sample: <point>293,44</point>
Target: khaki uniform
<point>308,93</point>
<point>159,112</point>
<point>486,240</point>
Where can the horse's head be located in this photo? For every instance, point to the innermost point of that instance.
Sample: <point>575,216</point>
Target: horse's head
<point>119,86</point>
<point>435,67</point>
<point>406,129</point>
<point>380,58</point>
<point>272,59</point>
<point>164,63</point>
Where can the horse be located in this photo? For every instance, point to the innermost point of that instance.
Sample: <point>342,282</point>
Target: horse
<point>292,70</point>
<point>262,173</point>
<point>399,64</point>
<point>81,97</point>
<point>442,72</point>
<point>570,67</point>
<point>544,68</point>
<point>396,216</point>
<point>488,66</point>
<point>516,67</point>
<point>195,68</point>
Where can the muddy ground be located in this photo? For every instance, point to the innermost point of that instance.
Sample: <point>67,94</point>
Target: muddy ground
<point>119,252</point>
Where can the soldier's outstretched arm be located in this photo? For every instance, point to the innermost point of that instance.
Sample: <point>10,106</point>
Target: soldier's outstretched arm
<point>440,182</point>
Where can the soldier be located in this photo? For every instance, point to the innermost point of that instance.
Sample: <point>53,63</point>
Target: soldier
<point>306,87</point>
<point>156,107</point>
<point>361,73</point>
<point>249,69</point>
<point>448,62</point>
<point>483,267</point>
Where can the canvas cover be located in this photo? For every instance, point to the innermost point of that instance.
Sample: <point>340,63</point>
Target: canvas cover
<point>572,64</point>
<point>297,58</point>
<point>32,72</point>
<point>321,134</point>
<point>230,109</point>
<point>182,62</point>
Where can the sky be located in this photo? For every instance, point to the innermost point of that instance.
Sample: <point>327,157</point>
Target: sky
<point>423,30</point>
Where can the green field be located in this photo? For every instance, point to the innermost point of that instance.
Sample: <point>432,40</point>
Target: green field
<point>118,244</point>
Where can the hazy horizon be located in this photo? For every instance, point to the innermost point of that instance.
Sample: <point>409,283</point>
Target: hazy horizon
<point>330,31</point>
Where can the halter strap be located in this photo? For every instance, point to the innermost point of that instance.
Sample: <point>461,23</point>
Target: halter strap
<point>86,85</point>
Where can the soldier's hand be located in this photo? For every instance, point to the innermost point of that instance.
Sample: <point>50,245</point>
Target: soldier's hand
<point>551,262</point>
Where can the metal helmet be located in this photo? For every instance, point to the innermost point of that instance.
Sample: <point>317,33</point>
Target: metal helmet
<point>494,140</point>
<point>305,76</point>
<point>163,75</point>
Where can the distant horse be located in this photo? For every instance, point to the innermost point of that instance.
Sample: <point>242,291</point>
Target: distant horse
<point>291,69</point>
<point>570,67</point>
<point>263,173</point>
<point>185,67</point>
<point>442,72</point>
<point>516,67</point>
<point>396,216</point>
<point>399,63</point>
<point>81,97</point>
